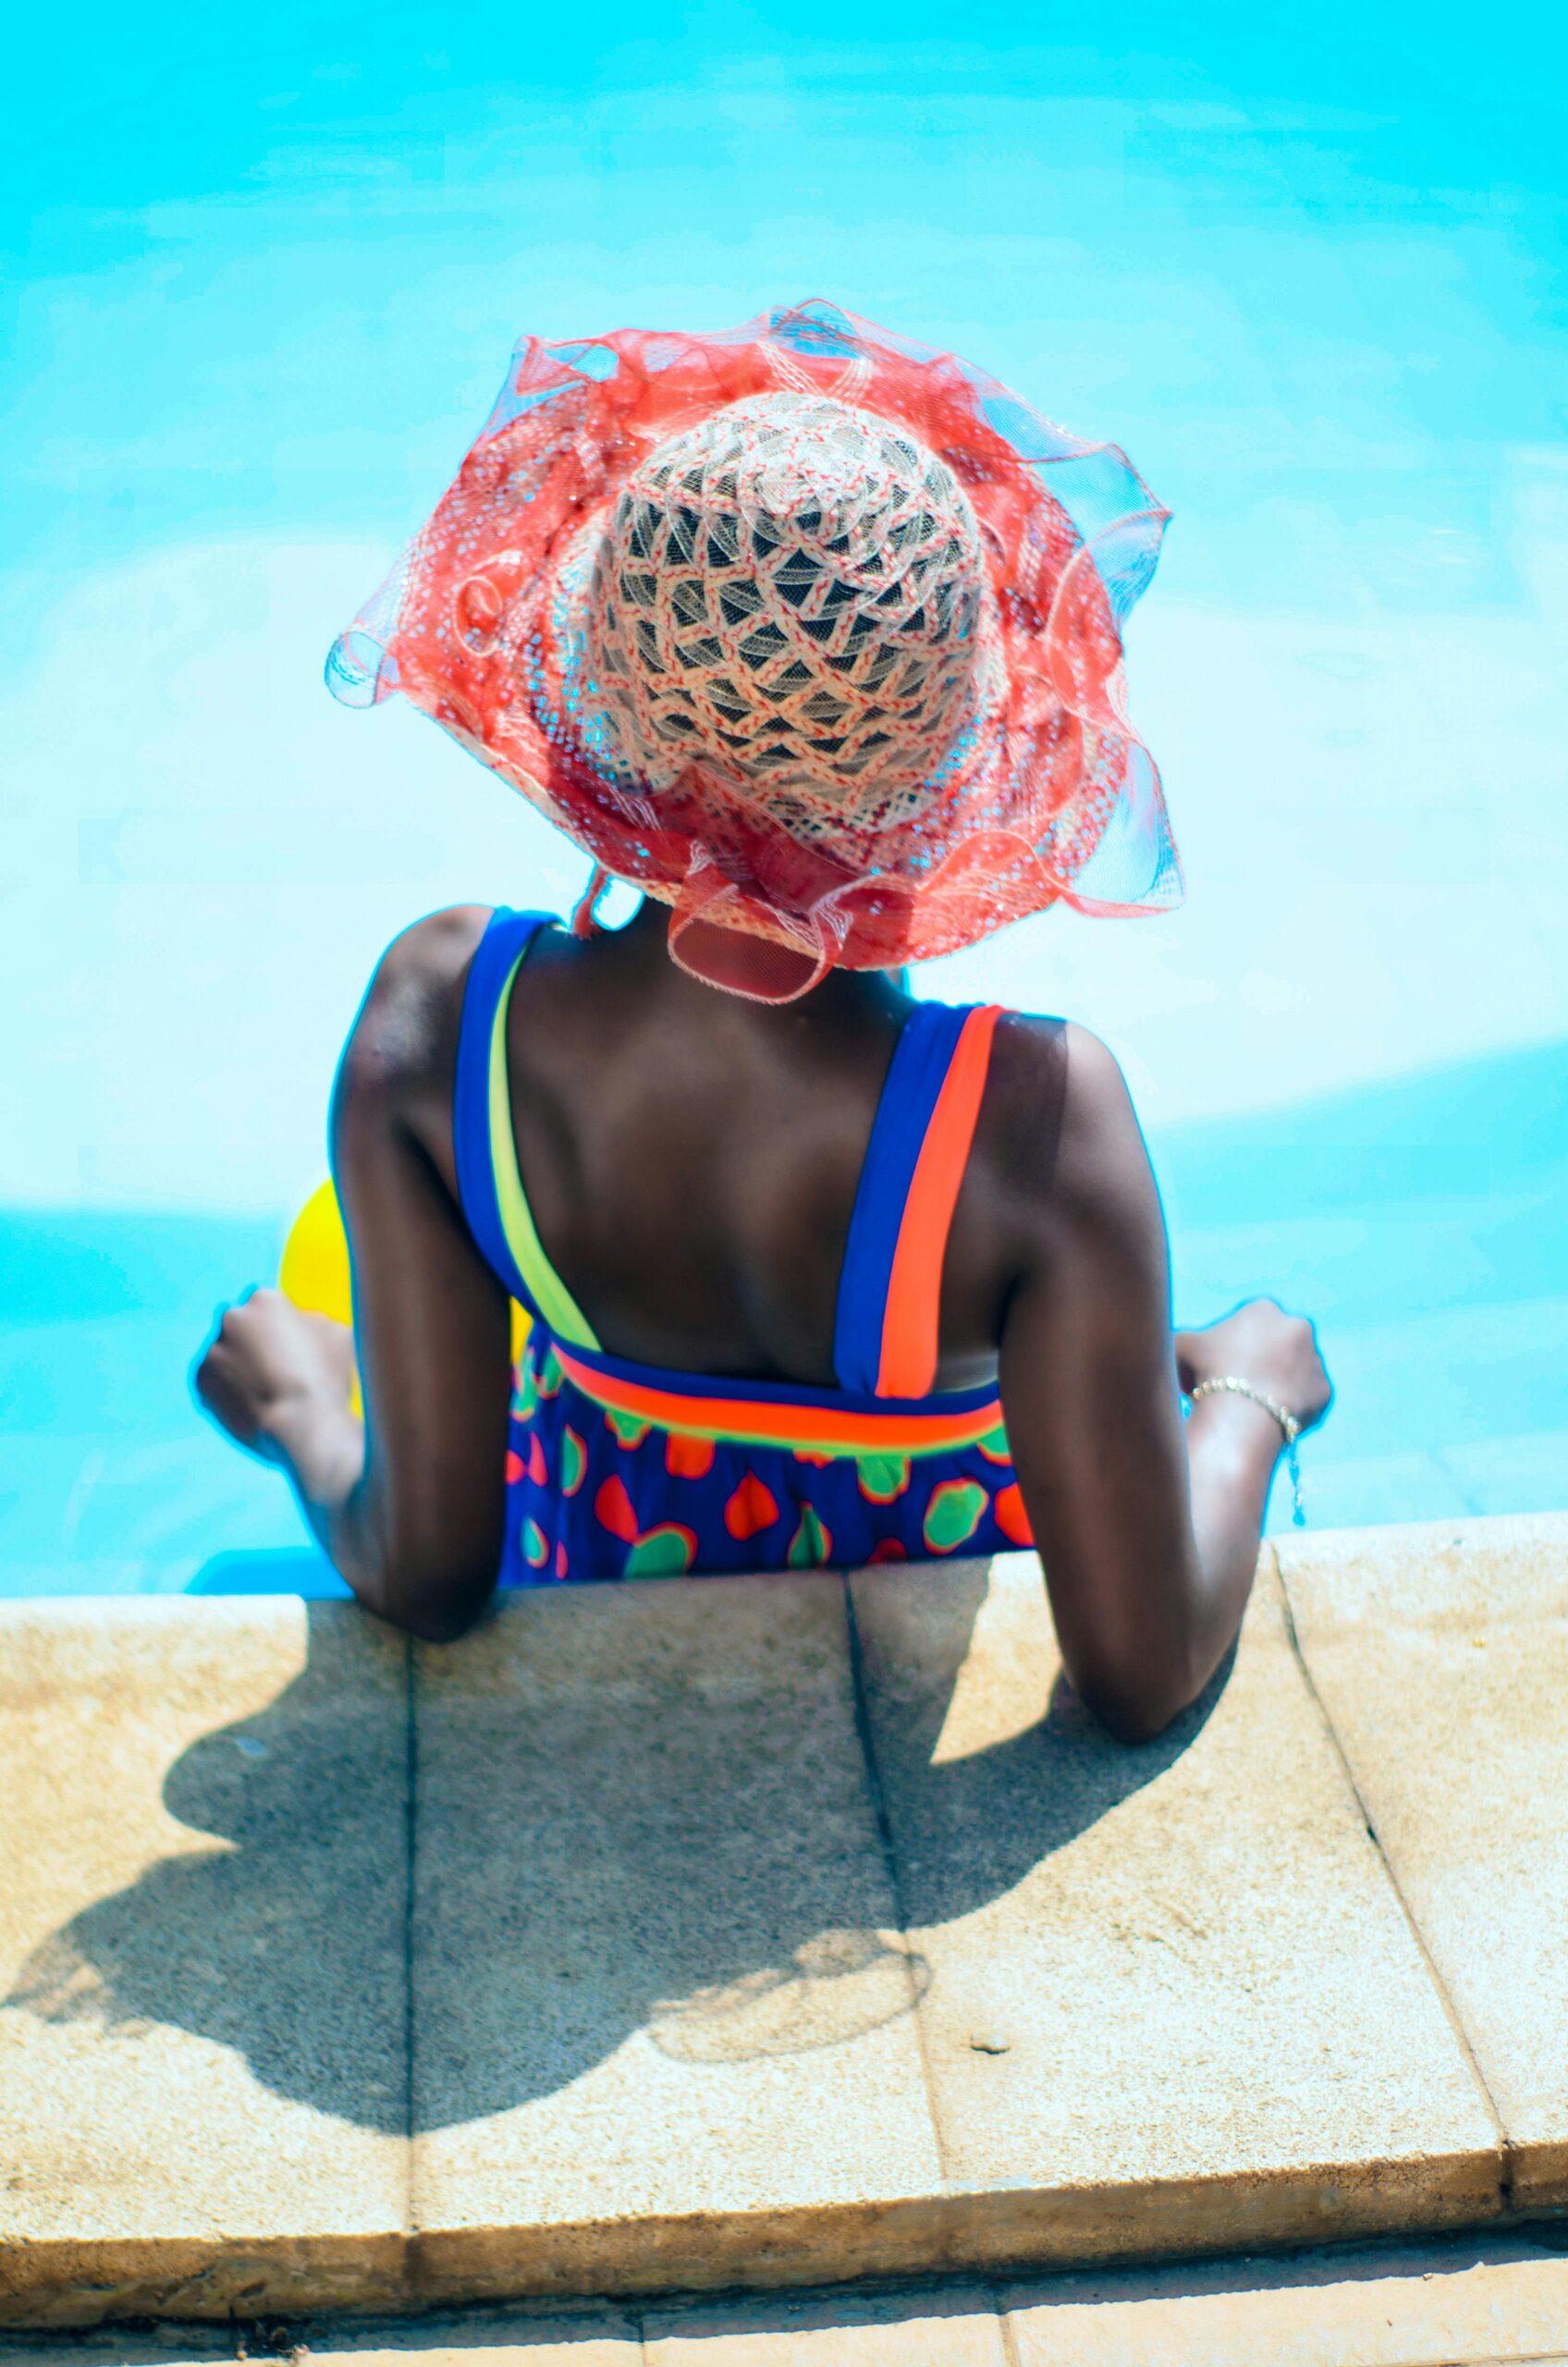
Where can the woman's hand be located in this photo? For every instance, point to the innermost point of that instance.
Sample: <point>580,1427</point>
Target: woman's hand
<point>268,1366</point>
<point>1277,1353</point>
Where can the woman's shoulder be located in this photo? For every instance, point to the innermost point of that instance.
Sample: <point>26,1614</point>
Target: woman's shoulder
<point>1053,1072</point>
<point>1059,1123</point>
<point>405,1035</point>
<point>438,945</point>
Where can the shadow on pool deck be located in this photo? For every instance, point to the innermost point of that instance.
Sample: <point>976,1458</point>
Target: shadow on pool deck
<point>626,1896</point>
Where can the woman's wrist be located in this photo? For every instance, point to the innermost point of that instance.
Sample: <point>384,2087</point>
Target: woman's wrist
<point>1228,1423</point>
<point>319,1442</point>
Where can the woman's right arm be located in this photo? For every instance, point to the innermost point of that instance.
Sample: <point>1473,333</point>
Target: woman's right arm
<point>410,1503</point>
<point>1147,1525</point>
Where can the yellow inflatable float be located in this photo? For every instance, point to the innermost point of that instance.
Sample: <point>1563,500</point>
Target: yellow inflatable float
<point>316,1275</point>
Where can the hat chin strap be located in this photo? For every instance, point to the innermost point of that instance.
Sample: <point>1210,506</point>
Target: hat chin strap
<point>714,938</point>
<point>584,912</point>
<point>734,960</point>
<point>742,963</point>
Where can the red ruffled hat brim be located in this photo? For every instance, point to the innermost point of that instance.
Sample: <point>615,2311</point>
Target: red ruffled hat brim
<point>1049,794</point>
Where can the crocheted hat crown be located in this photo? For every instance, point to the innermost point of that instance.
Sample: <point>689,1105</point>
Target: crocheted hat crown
<point>793,591</point>
<point>812,631</point>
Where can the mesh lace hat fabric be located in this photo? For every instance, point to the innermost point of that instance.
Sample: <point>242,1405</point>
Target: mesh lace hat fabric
<point>792,591</point>
<point>814,634</point>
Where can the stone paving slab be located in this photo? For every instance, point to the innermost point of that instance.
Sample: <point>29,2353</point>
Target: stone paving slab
<point>1451,2303</point>
<point>593,2341</point>
<point>662,2033</point>
<point>957,2327</point>
<point>1440,1654</point>
<point>203,2001</point>
<point>588,2335</point>
<point>1175,2001</point>
<point>186,2346</point>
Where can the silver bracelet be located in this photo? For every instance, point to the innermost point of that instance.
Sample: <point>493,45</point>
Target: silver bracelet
<point>1233,1386</point>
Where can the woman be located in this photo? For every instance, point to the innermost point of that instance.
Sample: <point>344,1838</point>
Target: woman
<point>815,636</point>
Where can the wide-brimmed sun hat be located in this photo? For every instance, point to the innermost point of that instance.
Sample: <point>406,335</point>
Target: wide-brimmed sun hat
<point>814,634</point>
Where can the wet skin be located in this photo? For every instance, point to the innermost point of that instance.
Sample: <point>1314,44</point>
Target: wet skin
<point>691,1161</point>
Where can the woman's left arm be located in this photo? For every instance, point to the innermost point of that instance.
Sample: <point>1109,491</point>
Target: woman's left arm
<point>409,1504</point>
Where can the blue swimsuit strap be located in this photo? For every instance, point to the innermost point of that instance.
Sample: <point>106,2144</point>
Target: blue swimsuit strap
<point>506,938</point>
<point>922,1058</point>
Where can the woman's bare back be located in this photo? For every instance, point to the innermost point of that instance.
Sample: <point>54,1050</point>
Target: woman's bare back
<point>691,1161</point>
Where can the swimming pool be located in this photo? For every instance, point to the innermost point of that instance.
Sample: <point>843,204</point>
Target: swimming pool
<point>1303,271</point>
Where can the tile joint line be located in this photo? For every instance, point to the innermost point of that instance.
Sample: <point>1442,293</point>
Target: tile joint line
<point>1505,2146</point>
<point>885,1838</point>
<point>1004,2321</point>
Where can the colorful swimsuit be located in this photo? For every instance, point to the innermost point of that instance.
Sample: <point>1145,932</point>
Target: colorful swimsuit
<point>622,1470</point>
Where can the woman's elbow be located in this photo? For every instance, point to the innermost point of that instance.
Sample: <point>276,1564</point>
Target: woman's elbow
<point>432,1602</point>
<point>435,1623</point>
<point>1136,1705</point>
<point>1129,1718</point>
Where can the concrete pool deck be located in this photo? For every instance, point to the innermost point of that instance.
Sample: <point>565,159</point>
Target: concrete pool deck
<point>768,1932</point>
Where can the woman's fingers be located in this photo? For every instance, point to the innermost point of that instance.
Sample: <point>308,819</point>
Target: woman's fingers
<point>1277,1353</point>
<point>266,1356</point>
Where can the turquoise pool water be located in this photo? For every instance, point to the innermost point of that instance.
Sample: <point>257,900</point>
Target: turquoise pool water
<point>1425,1226</point>
<point>1308,270</point>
